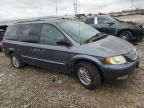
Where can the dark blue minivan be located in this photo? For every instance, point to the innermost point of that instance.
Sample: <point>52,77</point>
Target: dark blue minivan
<point>72,47</point>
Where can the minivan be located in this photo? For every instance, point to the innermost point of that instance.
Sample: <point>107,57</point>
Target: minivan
<point>71,47</point>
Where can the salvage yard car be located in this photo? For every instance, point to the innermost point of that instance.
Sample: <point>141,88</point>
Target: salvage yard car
<point>129,31</point>
<point>1,37</point>
<point>72,47</point>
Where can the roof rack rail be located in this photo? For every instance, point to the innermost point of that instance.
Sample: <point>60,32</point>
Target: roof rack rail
<point>39,19</point>
<point>29,21</point>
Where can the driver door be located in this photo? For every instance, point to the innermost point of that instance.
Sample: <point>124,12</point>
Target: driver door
<point>106,26</point>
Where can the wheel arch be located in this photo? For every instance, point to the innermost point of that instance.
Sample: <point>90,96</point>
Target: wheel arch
<point>118,33</point>
<point>10,51</point>
<point>90,60</point>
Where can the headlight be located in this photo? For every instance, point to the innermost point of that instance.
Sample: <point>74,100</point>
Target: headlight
<point>115,60</point>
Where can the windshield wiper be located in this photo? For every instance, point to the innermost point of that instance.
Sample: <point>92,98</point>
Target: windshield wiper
<point>95,37</point>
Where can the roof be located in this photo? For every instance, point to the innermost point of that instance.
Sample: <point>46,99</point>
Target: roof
<point>97,16</point>
<point>9,22</point>
<point>51,21</point>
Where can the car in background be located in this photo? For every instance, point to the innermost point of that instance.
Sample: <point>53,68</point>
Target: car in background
<point>72,47</point>
<point>129,31</point>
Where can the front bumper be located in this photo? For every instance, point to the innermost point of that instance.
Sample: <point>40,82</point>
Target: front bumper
<point>115,71</point>
<point>139,34</point>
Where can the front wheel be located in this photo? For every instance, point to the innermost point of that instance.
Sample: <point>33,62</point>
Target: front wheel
<point>126,35</point>
<point>88,75</point>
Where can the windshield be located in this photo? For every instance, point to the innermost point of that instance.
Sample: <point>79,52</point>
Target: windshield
<point>78,31</point>
<point>117,19</point>
<point>112,19</point>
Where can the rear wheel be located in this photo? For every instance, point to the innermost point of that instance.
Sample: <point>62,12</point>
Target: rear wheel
<point>88,75</point>
<point>1,49</point>
<point>16,62</point>
<point>126,35</point>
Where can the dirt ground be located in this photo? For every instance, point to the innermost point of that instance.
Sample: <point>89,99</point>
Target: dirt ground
<point>33,87</point>
<point>134,18</point>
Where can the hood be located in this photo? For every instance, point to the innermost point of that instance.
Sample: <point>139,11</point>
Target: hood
<point>136,24</point>
<point>132,24</point>
<point>109,46</point>
<point>129,23</point>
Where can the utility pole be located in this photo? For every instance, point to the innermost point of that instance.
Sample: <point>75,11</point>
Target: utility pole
<point>132,1</point>
<point>56,8</point>
<point>75,7</point>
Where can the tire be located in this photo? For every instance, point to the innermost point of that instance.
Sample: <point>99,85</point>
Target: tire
<point>1,49</point>
<point>94,77</point>
<point>126,35</point>
<point>140,39</point>
<point>16,62</point>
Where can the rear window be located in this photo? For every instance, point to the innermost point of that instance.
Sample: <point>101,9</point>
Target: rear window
<point>24,33</point>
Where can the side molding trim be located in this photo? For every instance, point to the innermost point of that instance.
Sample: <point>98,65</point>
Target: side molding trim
<point>54,62</point>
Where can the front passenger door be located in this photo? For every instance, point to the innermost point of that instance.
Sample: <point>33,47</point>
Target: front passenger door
<point>52,55</point>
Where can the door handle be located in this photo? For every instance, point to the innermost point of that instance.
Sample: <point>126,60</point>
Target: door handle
<point>38,50</point>
<point>41,50</point>
<point>33,49</point>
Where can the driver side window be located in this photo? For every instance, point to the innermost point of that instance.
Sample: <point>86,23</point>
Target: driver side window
<point>50,34</point>
<point>103,21</point>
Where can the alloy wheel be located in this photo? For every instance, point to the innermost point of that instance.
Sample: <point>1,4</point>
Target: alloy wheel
<point>84,76</point>
<point>15,62</point>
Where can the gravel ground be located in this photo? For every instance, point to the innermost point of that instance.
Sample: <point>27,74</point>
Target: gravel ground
<point>33,87</point>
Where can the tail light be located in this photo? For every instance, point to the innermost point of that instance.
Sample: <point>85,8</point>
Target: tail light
<point>1,44</point>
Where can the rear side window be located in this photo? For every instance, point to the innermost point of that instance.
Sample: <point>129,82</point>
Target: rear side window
<point>24,33</point>
<point>29,33</point>
<point>89,21</point>
<point>11,33</point>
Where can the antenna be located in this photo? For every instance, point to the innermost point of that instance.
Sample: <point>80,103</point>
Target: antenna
<point>79,24</point>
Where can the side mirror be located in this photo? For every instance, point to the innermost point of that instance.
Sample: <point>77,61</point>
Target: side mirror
<point>63,41</point>
<point>111,23</point>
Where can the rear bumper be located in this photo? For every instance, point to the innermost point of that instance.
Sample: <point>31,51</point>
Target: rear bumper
<point>115,71</point>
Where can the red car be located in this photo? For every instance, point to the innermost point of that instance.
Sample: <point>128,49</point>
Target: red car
<point>1,46</point>
<point>1,39</point>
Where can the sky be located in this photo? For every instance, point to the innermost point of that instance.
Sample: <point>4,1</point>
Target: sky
<point>17,9</point>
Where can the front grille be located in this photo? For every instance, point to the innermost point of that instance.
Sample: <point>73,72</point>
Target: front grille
<point>132,55</point>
